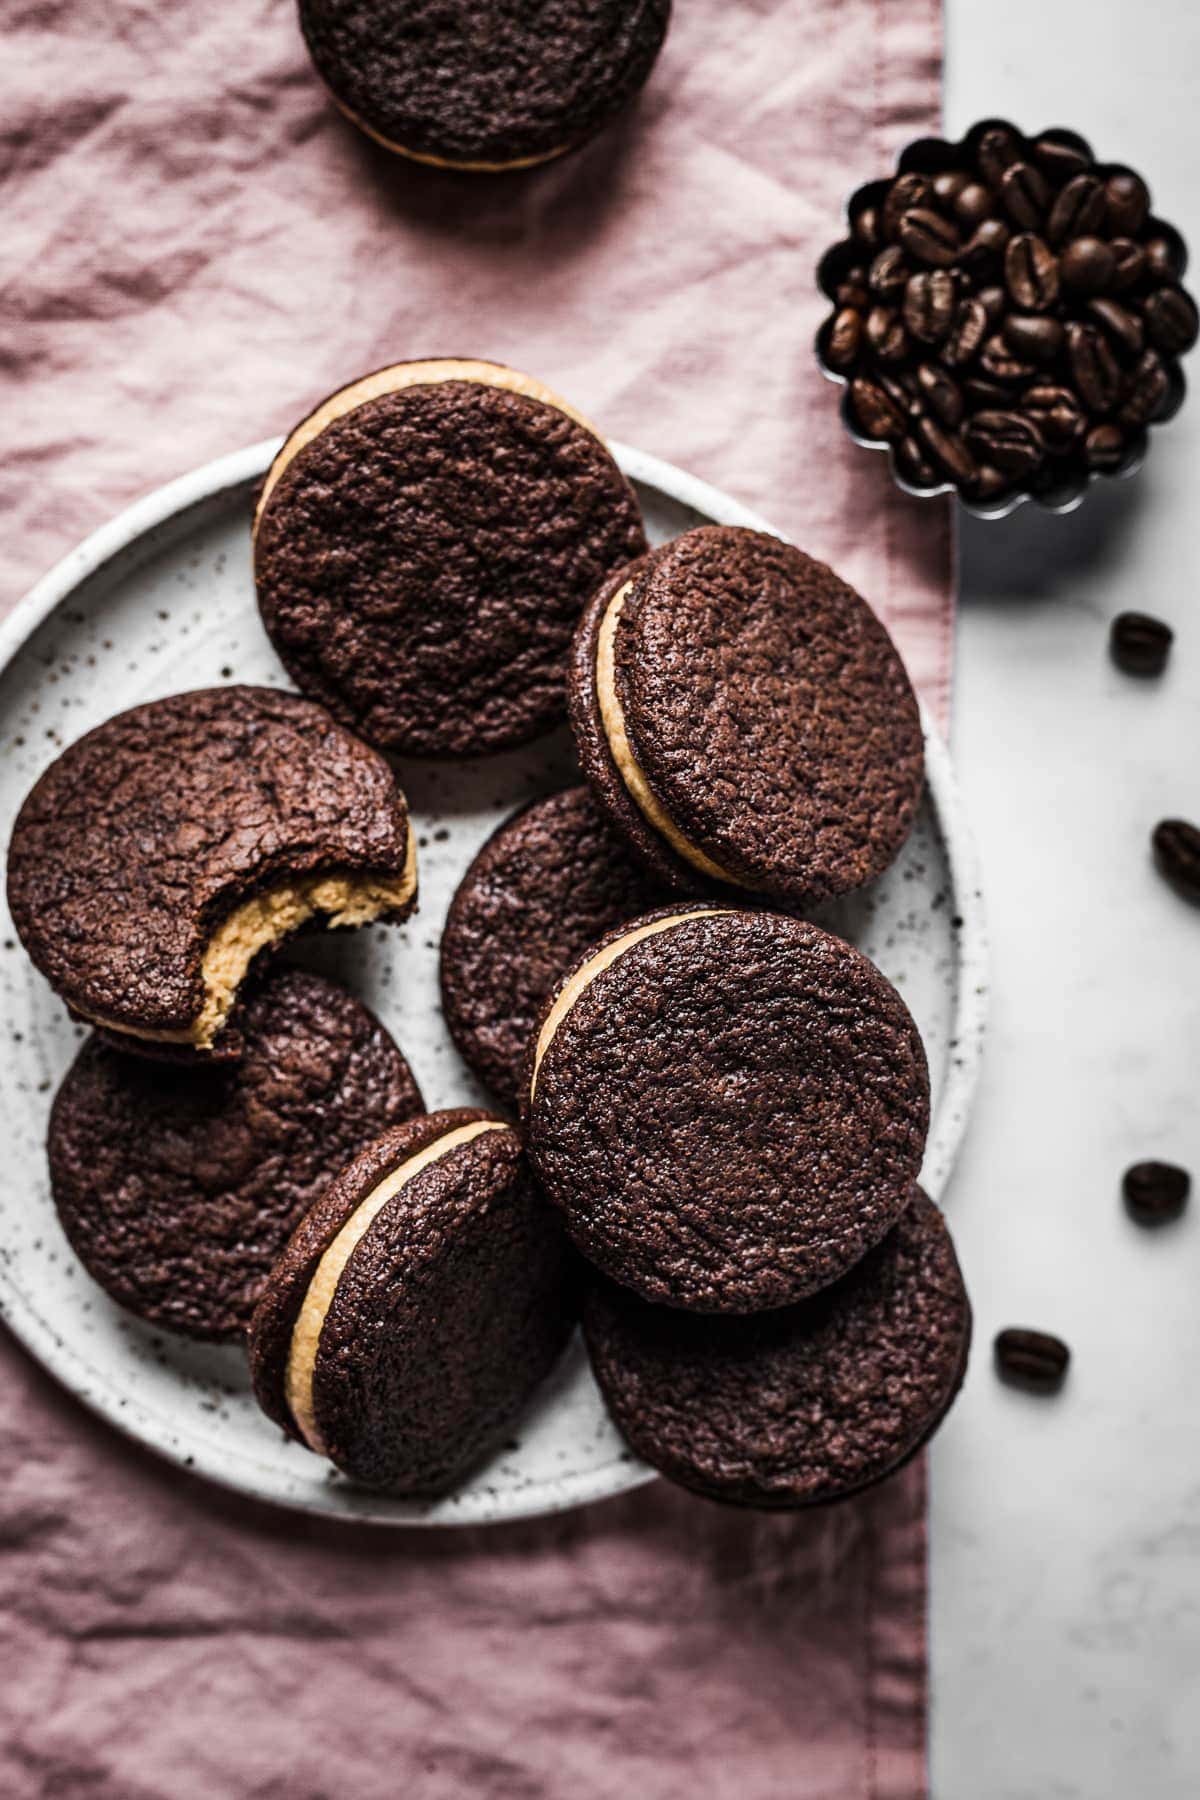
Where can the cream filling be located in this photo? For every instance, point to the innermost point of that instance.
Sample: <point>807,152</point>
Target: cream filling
<point>266,919</point>
<point>583,977</point>
<point>392,381</point>
<point>306,1332</point>
<point>612,718</point>
<point>444,162</point>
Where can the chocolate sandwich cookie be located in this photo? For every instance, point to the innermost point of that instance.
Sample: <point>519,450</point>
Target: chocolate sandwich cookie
<point>487,86</point>
<point>424,544</point>
<point>798,1407</point>
<point>744,720</point>
<point>161,853</point>
<point>417,1305</point>
<point>729,1107</point>
<point>546,885</point>
<point>178,1189</point>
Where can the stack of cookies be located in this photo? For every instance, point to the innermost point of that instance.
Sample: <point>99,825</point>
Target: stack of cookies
<point>722,1108</point>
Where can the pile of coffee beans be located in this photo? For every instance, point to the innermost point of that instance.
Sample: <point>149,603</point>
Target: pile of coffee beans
<point>1007,316</point>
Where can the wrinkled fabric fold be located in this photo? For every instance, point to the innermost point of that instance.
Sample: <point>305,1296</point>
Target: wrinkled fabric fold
<point>197,248</point>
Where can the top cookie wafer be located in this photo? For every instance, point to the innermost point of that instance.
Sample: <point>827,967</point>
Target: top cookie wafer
<point>483,85</point>
<point>159,855</point>
<point>424,545</point>
<point>744,719</point>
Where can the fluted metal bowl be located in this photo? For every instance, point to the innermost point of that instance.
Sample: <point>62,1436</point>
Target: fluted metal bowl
<point>930,156</point>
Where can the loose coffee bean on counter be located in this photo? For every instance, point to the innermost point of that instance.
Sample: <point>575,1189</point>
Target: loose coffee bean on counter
<point>1140,644</point>
<point>1177,853</point>
<point>1010,322</point>
<point>1031,1359</point>
<point>1156,1192</point>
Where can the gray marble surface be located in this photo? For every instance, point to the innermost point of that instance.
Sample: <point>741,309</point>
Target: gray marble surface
<point>1066,1532</point>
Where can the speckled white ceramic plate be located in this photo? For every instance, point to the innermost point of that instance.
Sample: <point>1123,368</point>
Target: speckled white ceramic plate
<point>160,600</point>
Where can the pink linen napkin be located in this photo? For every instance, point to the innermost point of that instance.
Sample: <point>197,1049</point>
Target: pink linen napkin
<point>197,248</point>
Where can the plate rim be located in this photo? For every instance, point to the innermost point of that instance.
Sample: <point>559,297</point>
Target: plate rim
<point>342,1502</point>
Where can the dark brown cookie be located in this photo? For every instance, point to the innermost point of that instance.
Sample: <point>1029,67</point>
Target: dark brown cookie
<point>159,854</point>
<point>417,1305</point>
<point>729,1107</point>
<point>179,1189</point>
<point>424,545</point>
<point>744,720</point>
<point>804,1405</point>
<point>547,884</point>
<point>485,85</point>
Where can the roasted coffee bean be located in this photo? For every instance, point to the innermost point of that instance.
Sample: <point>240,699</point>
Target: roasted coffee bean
<point>1025,195</point>
<point>929,238</point>
<point>983,254</point>
<point>1006,440</point>
<point>942,394</point>
<point>929,302</point>
<point>994,302</point>
<point>914,466</point>
<point>1104,448</point>
<point>901,389</point>
<point>1059,161</point>
<point>1127,203</point>
<point>1145,392</point>
<point>1033,337</point>
<point>1156,1192</point>
<point>865,227</point>
<point>998,149</point>
<point>987,485</point>
<point>1164,259</point>
<point>845,338</point>
<point>1171,320</point>
<point>1031,273</point>
<point>1056,414</point>
<point>981,395</point>
<point>998,361</point>
<point>973,205</point>
<point>1093,367</point>
<point>1031,1359</point>
<point>905,192</point>
<point>1079,211</point>
<point>852,293</point>
<point>886,335</point>
<point>875,413</point>
<point>1123,329</point>
<point>966,335</point>
<point>949,185</point>
<point>1177,853</point>
<point>1087,265</point>
<point>1140,643</point>
<point>1129,263</point>
<point>889,273</point>
<point>947,450</point>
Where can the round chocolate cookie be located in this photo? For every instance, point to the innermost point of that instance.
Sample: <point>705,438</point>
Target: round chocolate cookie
<point>804,1405</point>
<point>483,84</point>
<point>547,884</point>
<point>729,1107</point>
<point>744,720</point>
<point>178,1189</point>
<point>417,1305</point>
<point>424,544</point>
<point>159,855</point>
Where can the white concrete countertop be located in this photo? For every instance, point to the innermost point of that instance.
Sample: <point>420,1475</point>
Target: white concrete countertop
<point>1066,1531</point>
